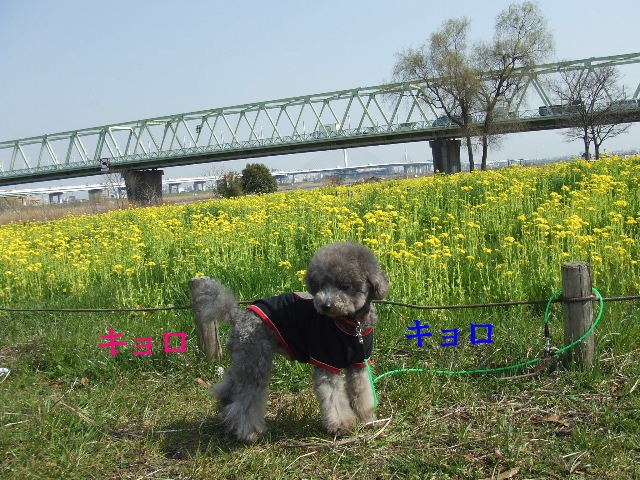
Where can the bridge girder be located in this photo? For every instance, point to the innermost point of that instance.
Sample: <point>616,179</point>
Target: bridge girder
<point>390,113</point>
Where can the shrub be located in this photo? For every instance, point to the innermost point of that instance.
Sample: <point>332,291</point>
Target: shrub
<point>256,178</point>
<point>229,185</point>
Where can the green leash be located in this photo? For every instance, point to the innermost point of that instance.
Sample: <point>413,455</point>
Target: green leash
<point>499,369</point>
<point>373,386</point>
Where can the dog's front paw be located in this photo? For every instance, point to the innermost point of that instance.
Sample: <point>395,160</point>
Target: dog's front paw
<point>366,417</point>
<point>341,426</point>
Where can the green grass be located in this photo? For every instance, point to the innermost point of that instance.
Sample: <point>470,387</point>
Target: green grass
<point>67,415</point>
<point>70,410</point>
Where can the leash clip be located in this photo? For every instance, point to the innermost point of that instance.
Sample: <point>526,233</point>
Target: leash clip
<point>549,349</point>
<point>359,333</point>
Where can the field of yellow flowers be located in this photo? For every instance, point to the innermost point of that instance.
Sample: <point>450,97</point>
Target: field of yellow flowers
<point>476,237</point>
<point>70,409</point>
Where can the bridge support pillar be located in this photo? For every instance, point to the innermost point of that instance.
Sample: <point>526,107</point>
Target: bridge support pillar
<point>198,186</point>
<point>144,187</point>
<point>446,155</point>
<point>95,195</point>
<point>55,197</point>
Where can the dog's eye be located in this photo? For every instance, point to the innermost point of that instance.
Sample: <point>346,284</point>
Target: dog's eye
<point>344,286</point>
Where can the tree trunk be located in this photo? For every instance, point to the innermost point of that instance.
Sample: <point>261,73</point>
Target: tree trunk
<point>596,148</point>
<point>485,152</point>
<point>470,153</point>
<point>587,154</point>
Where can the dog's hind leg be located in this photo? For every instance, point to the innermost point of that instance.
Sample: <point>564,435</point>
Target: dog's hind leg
<point>361,393</point>
<point>243,391</point>
<point>337,414</point>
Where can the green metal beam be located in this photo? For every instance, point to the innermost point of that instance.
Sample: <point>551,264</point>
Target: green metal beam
<point>390,113</point>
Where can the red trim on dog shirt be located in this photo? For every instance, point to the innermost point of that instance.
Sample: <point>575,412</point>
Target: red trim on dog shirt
<point>363,364</point>
<point>323,365</point>
<point>265,318</point>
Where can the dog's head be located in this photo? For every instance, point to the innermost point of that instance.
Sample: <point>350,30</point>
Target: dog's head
<point>343,277</point>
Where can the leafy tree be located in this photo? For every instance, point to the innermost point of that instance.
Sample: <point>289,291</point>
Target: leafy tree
<point>229,185</point>
<point>594,102</point>
<point>256,178</point>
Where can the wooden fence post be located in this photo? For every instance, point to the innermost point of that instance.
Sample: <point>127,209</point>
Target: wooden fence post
<point>202,303</point>
<point>578,316</point>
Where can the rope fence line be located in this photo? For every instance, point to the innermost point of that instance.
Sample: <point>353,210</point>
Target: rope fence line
<point>95,310</point>
<point>576,295</point>
<point>382,302</point>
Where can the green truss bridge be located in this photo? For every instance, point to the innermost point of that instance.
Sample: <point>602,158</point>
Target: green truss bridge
<point>384,114</point>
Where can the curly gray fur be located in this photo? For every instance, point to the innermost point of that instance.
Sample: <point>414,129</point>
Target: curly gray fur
<point>343,278</point>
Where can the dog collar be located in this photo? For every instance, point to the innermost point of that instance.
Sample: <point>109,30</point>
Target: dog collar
<point>353,327</point>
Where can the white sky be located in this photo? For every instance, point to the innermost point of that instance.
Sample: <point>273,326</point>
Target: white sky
<point>70,64</point>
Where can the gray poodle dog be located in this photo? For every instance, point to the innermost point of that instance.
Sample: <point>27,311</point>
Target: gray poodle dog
<point>332,328</point>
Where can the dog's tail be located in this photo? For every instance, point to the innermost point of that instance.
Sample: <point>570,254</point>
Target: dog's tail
<point>214,299</point>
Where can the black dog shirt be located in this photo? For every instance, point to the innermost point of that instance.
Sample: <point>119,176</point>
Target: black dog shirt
<point>309,336</point>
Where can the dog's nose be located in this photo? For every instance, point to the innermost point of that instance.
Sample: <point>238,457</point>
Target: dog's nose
<point>326,306</point>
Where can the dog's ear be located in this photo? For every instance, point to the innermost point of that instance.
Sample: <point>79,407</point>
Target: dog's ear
<point>312,281</point>
<point>379,283</point>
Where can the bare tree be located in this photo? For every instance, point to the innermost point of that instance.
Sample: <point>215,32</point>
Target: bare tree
<point>486,78</point>
<point>594,102</point>
<point>521,39</point>
<point>113,182</point>
<point>444,66</point>
<point>215,172</point>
